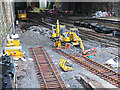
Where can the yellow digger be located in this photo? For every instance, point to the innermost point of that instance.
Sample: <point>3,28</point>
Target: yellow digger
<point>65,65</point>
<point>57,31</point>
<point>71,36</point>
<point>13,47</point>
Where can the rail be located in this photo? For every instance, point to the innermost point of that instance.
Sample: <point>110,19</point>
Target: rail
<point>46,69</point>
<point>94,67</point>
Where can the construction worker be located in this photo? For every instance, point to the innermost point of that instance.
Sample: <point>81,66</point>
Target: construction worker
<point>17,22</point>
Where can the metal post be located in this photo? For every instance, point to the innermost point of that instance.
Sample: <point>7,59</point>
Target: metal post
<point>12,17</point>
<point>27,3</point>
<point>39,3</point>
<point>45,3</point>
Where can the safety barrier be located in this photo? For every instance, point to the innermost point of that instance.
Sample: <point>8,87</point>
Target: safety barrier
<point>90,52</point>
<point>67,46</point>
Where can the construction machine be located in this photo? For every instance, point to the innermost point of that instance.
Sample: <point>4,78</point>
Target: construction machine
<point>71,36</point>
<point>22,15</point>
<point>58,43</point>
<point>58,30</point>
<point>14,48</point>
<point>65,65</point>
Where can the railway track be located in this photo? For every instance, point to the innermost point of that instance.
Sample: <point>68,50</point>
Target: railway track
<point>41,23</point>
<point>94,67</point>
<point>89,20</point>
<point>102,39</point>
<point>70,21</point>
<point>47,73</point>
<point>97,37</point>
<point>85,34</point>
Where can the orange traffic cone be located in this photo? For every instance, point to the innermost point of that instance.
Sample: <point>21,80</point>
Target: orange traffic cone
<point>67,46</point>
<point>54,44</point>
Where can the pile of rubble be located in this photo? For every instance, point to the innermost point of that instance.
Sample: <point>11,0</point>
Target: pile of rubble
<point>101,14</point>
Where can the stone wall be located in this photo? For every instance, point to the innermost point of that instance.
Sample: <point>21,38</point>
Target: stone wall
<point>5,21</point>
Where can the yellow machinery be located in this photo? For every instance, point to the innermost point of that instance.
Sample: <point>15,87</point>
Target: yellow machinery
<point>22,15</point>
<point>13,42</point>
<point>66,37</point>
<point>71,36</point>
<point>76,40</point>
<point>65,65</point>
<point>58,44</point>
<point>13,47</point>
<point>15,51</point>
<point>58,30</point>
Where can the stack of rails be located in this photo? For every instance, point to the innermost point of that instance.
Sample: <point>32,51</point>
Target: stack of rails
<point>47,73</point>
<point>94,67</point>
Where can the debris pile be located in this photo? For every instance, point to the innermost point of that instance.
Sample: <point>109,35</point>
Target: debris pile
<point>112,62</point>
<point>101,14</point>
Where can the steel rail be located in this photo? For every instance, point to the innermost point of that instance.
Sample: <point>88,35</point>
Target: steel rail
<point>47,73</point>
<point>39,68</point>
<point>84,36</point>
<point>105,45</point>
<point>92,69</point>
<point>114,54</point>
<point>95,38</point>
<point>52,69</point>
<point>81,29</point>
<point>97,35</point>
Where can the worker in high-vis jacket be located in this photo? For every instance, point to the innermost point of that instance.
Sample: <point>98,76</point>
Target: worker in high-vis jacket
<point>17,22</point>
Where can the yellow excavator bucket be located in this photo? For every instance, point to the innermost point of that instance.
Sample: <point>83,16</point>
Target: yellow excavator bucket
<point>65,65</point>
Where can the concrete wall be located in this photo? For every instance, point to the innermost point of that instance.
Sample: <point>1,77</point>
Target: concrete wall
<point>5,21</point>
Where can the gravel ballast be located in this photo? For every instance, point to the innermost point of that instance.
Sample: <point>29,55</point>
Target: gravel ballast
<point>36,37</point>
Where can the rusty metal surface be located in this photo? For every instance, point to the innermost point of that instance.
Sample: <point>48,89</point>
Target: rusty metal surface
<point>47,73</point>
<point>94,67</point>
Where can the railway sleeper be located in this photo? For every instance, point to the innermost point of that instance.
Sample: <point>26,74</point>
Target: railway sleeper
<point>109,73</point>
<point>50,78</point>
<point>46,76</point>
<point>54,86</point>
<point>44,62</point>
<point>55,82</point>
